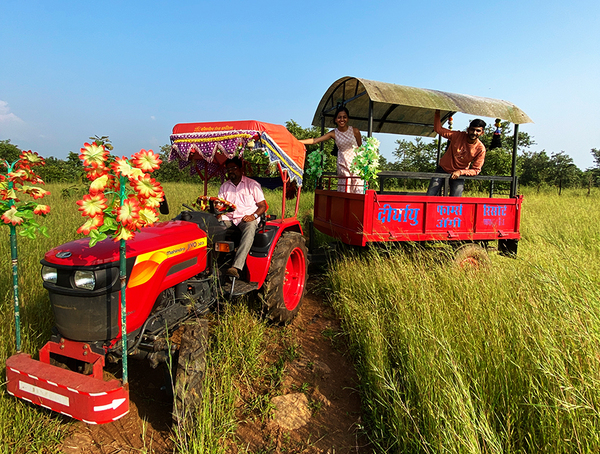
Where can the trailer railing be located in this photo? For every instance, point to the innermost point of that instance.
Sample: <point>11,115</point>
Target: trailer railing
<point>327,181</point>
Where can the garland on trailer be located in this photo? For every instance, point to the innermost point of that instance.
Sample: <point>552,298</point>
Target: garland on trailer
<point>315,165</point>
<point>366,162</point>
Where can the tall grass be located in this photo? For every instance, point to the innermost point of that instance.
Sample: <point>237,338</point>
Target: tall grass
<point>503,360</point>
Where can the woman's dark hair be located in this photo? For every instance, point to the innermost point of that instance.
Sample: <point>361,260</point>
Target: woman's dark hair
<point>337,112</point>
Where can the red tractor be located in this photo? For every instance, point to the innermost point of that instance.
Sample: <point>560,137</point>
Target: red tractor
<point>173,277</point>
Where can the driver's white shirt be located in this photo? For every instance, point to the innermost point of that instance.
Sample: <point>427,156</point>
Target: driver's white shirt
<point>244,196</point>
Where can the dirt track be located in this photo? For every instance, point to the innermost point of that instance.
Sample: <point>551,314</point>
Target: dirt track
<point>323,370</point>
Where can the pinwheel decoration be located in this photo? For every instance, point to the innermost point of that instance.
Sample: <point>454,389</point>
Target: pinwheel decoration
<point>14,185</point>
<point>122,197</point>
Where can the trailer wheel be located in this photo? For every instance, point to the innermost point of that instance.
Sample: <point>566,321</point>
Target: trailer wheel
<point>285,283</point>
<point>190,371</point>
<point>471,257</point>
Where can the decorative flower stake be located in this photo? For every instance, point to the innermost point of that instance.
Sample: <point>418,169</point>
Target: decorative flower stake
<point>122,199</point>
<point>14,212</point>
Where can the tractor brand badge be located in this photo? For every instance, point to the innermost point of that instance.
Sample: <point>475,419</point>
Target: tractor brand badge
<point>146,264</point>
<point>63,255</point>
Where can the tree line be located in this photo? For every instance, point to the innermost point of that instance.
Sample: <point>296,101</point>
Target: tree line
<point>534,168</point>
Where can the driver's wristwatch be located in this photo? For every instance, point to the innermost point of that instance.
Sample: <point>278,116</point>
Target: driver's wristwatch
<point>255,215</point>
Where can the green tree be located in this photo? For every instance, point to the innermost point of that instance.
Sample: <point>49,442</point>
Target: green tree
<point>564,173</point>
<point>8,151</point>
<point>595,171</point>
<point>169,171</point>
<point>417,156</point>
<point>535,168</point>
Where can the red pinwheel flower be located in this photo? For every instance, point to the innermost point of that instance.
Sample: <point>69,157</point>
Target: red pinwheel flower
<point>41,209</point>
<point>99,184</point>
<point>32,158</point>
<point>91,224</point>
<point>146,187</point>
<point>93,155</point>
<point>10,217</point>
<point>128,213</point>
<point>123,234</point>
<point>147,161</point>
<point>121,166</point>
<point>37,193</point>
<point>92,205</point>
<point>148,216</point>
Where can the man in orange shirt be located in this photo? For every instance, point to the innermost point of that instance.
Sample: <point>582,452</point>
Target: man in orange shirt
<point>465,149</point>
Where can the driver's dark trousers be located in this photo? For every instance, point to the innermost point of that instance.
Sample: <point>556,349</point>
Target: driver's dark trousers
<point>248,230</point>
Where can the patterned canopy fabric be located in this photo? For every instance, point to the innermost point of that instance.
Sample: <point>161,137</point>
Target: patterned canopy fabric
<point>215,142</point>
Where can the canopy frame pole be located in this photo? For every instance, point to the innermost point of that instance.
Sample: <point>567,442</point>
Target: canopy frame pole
<point>370,130</point>
<point>513,172</point>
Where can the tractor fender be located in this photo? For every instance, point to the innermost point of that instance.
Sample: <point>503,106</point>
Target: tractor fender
<point>258,263</point>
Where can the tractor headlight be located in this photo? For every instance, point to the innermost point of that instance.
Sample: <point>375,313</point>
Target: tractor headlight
<point>85,279</point>
<point>49,274</point>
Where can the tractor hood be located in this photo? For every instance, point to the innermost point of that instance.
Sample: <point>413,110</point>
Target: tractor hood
<point>170,238</point>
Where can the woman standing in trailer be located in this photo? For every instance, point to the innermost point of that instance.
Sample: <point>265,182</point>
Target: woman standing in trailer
<point>346,138</point>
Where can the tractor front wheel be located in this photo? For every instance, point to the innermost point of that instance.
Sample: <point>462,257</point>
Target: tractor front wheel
<point>285,284</point>
<point>190,371</point>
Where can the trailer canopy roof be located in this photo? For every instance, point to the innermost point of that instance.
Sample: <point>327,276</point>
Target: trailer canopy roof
<point>398,109</point>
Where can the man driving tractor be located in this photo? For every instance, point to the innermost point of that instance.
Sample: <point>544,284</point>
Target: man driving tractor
<point>247,195</point>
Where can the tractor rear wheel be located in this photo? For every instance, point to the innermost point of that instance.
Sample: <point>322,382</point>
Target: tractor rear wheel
<point>285,284</point>
<point>471,256</point>
<point>190,372</point>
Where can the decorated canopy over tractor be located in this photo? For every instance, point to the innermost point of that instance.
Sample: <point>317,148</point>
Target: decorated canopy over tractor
<point>205,146</point>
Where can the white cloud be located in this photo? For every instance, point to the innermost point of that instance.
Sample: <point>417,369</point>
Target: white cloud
<point>152,117</point>
<point>6,116</point>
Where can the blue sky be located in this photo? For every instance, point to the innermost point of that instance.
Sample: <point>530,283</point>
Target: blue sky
<point>131,70</point>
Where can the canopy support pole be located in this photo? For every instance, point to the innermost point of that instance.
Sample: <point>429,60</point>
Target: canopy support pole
<point>513,173</point>
<point>370,131</point>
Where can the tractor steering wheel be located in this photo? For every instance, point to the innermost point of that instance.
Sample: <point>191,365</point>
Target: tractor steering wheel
<point>214,205</point>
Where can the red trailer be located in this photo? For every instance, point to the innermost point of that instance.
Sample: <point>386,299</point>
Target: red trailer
<point>386,216</point>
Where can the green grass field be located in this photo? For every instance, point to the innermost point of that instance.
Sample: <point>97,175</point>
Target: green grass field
<point>500,360</point>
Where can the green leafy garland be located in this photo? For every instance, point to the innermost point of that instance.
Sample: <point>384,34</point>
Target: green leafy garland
<point>366,162</point>
<point>315,165</point>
